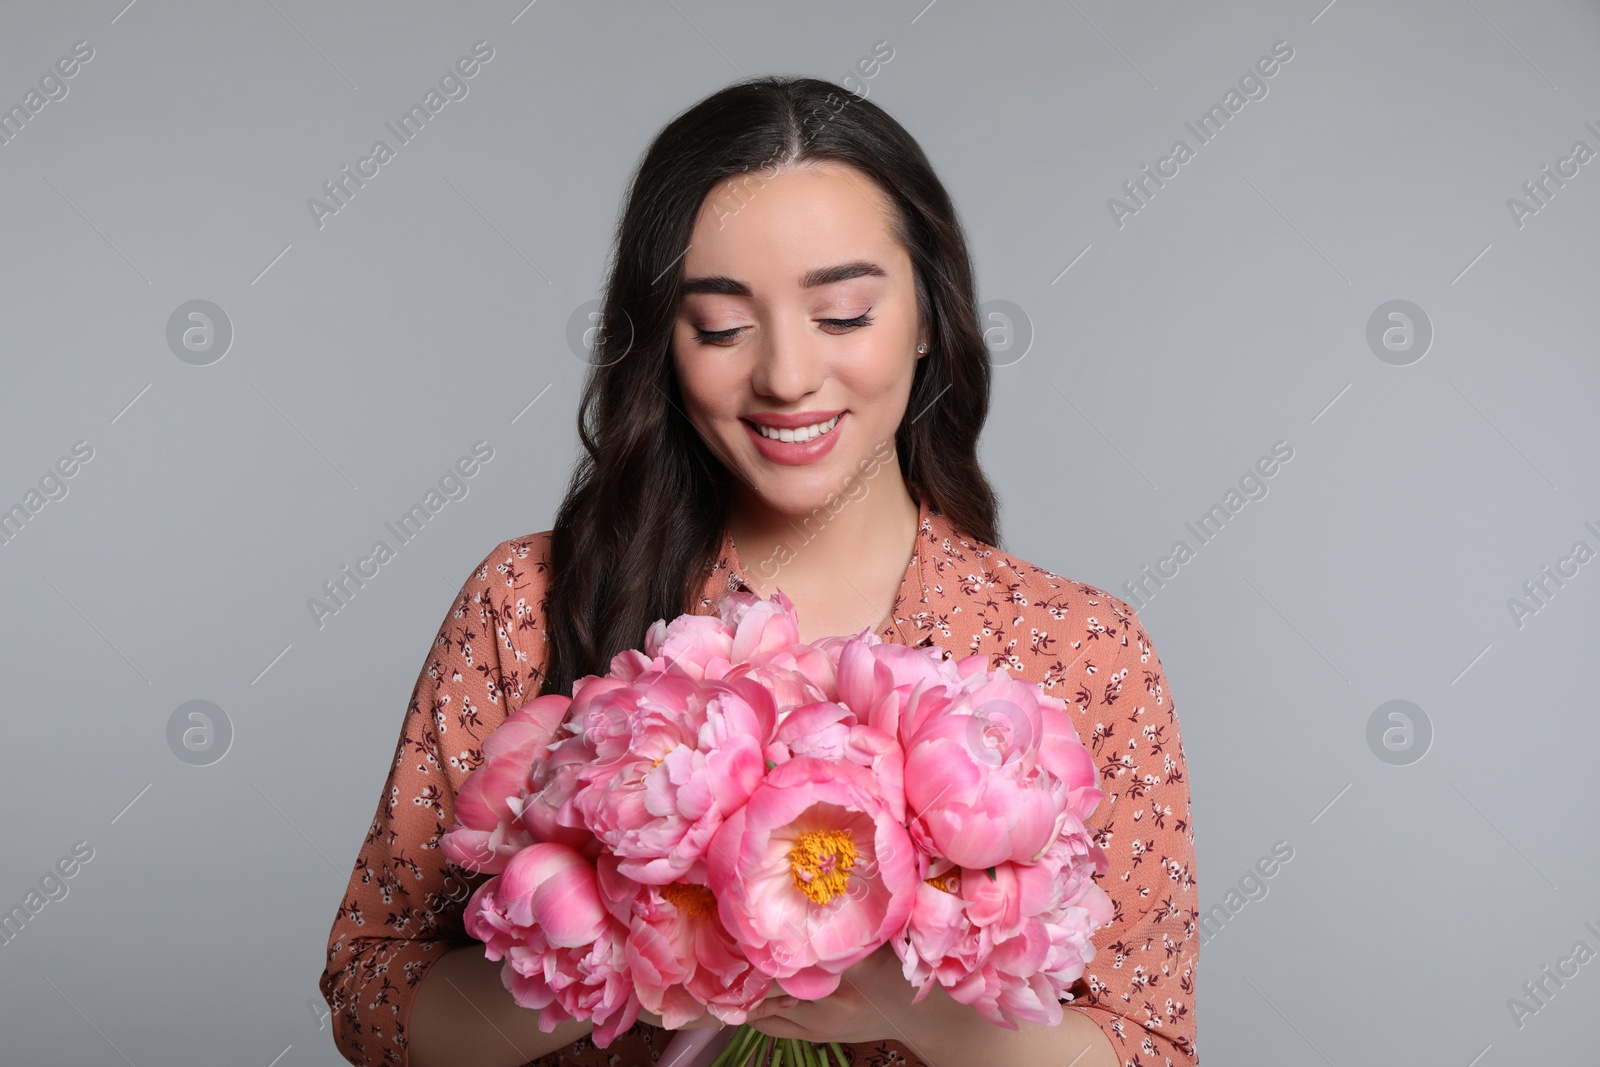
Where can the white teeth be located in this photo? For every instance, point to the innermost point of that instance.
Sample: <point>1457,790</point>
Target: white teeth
<point>802,434</point>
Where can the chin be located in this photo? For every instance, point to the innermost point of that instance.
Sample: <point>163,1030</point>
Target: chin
<point>800,495</point>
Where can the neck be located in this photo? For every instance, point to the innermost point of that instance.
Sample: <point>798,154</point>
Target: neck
<point>849,537</point>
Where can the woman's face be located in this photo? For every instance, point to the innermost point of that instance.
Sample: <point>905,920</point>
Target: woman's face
<point>799,308</point>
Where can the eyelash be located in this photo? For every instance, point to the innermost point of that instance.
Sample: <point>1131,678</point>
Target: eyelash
<point>711,337</point>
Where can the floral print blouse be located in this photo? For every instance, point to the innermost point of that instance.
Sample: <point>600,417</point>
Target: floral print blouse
<point>402,908</point>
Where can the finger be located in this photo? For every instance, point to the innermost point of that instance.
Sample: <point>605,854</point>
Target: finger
<point>773,1006</point>
<point>704,1022</point>
<point>777,1026</point>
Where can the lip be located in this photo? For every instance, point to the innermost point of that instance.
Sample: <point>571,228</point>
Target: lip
<point>777,421</point>
<point>793,453</point>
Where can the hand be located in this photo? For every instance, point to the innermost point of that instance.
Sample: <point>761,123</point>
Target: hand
<point>872,1003</point>
<point>776,1000</point>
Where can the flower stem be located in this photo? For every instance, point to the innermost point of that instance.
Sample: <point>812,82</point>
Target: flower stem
<point>766,1051</point>
<point>737,1051</point>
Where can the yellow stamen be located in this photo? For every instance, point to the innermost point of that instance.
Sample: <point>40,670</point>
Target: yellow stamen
<point>695,901</point>
<point>650,768</point>
<point>820,862</point>
<point>949,881</point>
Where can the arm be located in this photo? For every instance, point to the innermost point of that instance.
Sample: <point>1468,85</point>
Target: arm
<point>953,1033</point>
<point>1139,989</point>
<point>873,1012</point>
<point>463,1014</point>
<point>400,916</point>
<point>466,983</point>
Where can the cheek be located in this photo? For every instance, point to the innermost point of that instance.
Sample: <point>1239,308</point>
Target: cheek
<point>709,385</point>
<point>878,375</point>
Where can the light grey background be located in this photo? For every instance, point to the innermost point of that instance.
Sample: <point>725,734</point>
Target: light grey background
<point>1229,313</point>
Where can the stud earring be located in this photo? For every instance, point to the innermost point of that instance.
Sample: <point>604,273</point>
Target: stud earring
<point>922,348</point>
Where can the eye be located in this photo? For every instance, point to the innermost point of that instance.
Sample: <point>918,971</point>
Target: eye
<point>716,337</point>
<point>863,319</point>
<point>724,337</point>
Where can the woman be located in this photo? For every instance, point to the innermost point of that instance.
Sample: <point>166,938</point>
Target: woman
<point>787,392</point>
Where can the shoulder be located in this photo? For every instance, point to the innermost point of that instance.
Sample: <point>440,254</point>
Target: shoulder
<point>1073,639</point>
<point>516,568</point>
<point>504,594</point>
<point>1044,626</point>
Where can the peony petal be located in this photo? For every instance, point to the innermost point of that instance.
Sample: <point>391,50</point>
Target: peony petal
<point>553,886</point>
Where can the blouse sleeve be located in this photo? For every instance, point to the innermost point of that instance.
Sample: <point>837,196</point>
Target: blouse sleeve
<point>1140,986</point>
<point>401,911</point>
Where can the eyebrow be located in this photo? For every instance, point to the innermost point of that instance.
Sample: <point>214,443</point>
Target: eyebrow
<point>722,285</point>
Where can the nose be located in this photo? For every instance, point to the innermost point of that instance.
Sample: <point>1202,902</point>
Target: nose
<point>790,363</point>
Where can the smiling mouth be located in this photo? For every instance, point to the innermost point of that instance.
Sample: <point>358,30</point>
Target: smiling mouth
<point>799,435</point>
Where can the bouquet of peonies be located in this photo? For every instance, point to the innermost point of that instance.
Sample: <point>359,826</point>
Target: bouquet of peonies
<point>731,808</point>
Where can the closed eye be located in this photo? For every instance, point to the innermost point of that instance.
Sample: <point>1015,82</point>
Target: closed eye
<point>714,337</point>
<point>863,319</point>
<point>722,337</point>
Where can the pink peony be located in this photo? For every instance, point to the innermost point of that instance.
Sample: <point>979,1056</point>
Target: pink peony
<point>685,962</point>
<point>552,888</point>
<point>795,675</point>
<point>689,757</point>
<point>1068,761</point>
<point>698,646</point>
<point>488,807</point>
<point>485,919</point>
<point>564,952</point>
<point>812,874</point>
<point>829,730</point>
<point>587,982</point>
<point>1010,940</point>
<point>878,678</point>
<point>761,626</point>
<point>975,782</point>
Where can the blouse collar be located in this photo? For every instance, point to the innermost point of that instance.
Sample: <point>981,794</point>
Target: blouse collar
<point>934,533</point>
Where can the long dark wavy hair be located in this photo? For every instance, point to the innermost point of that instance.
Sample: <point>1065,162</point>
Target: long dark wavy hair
<point>642,520</point>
